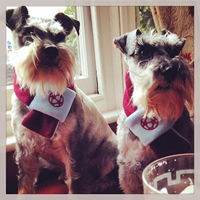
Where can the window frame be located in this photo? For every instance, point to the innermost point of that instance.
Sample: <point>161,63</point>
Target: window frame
<point>87,58</point>
<point>115,20</point>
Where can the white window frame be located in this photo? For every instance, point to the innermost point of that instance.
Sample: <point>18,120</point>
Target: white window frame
<point>107,23</point>
<point>87,58</point>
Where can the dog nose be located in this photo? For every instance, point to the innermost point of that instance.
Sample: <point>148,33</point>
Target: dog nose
<point>169,73</point>
<point>51,51</point>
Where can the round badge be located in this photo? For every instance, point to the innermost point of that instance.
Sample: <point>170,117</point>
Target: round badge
<point>149,123</point>
<point>56,100</point>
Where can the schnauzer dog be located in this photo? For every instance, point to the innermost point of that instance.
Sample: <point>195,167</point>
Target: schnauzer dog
<point>56,125</point>
<point>157,100</point>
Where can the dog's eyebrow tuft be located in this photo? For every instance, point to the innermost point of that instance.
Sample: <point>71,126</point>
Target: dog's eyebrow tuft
<point>60,36</point>
<point>33,30</point>
<point>141,41</point>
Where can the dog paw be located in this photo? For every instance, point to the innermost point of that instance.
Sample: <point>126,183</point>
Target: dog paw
<point>62,177</point>
<point>22,191</point>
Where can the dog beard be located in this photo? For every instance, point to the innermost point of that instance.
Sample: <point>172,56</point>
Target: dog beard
<point>159,99</point>
<point>40,75</point>
<point>169,103</point>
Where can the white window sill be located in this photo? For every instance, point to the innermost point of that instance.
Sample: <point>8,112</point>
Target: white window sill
<point>110,117</point>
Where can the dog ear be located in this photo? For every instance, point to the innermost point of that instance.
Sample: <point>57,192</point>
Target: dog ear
<point>175,43</point>
<point>16,18</point>
<point>67,22</point>
<point>127,42</point>
<point>179,46</point>
<point>164,32</point>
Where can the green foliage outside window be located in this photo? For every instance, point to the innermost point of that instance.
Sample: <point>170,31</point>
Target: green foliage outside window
<point>146,19</point>
<point>70,10</point>
<point>72,38</point>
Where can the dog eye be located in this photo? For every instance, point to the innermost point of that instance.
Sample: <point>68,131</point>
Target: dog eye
<point>60,37</point>
<point>145,53</point>
<point>27,31</point>
<point>29,37</point>
<point>27,34</point>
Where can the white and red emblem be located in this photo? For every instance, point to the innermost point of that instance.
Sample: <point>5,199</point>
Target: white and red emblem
<point>56,100</point>
<point>149,123</point>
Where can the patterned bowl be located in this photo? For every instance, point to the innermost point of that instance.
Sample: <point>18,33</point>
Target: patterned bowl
<point>170,175</point>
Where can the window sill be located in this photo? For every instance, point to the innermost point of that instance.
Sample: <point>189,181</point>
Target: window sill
<point>110,117</point>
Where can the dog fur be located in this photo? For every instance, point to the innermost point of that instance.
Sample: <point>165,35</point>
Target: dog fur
<point>83,147</point>
<point>163,88</point>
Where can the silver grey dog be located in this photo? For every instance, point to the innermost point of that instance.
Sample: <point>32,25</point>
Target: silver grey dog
<point>158,96</point>
<point>81,144</point>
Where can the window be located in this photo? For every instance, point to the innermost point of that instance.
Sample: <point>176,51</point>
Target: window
<point>102,65</point>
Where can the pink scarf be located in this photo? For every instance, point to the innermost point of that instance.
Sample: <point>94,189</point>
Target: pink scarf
<point>127,102</point>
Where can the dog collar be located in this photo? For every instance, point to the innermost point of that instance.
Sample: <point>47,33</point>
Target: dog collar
<point>45,112</point>
<point>146,129</point>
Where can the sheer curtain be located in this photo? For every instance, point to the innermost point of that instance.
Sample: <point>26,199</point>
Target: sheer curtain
<point>179,20</point>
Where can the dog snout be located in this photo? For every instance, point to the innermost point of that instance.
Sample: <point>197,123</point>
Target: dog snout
<point>169,72</point>
<point>51,51</point>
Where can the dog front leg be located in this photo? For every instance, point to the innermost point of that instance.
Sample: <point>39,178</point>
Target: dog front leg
<point>129,177</point>
<point>78,185</point>
<point>28,169</point>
